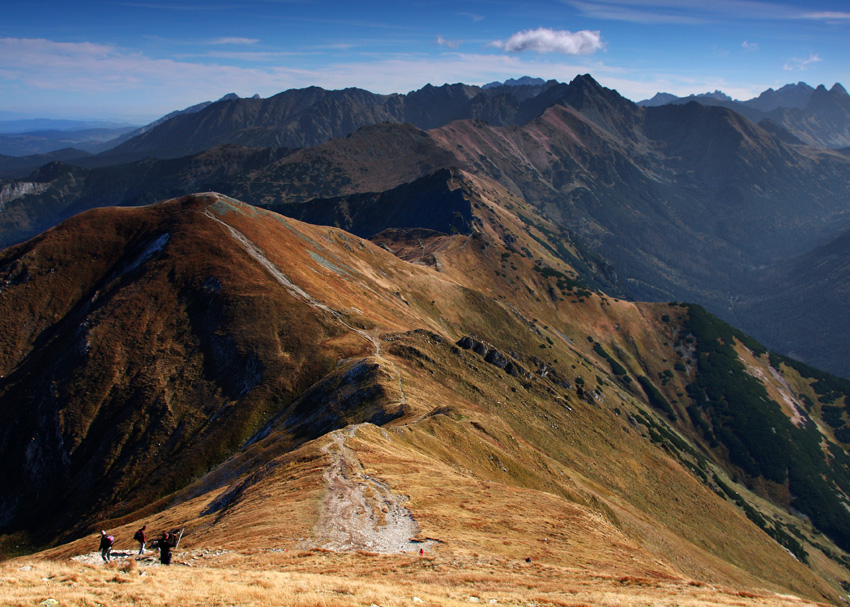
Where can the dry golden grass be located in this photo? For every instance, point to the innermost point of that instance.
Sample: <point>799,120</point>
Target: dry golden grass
<point>319,578</point>
<point>497,469</point>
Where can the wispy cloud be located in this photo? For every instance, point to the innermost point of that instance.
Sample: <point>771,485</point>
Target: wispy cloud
<point>827,16</point>
<point>545,40</point>
<point>165,6</point>
<point>102,69</point>
<point>749,46</point>
<point>800,65</point>
<point>243,56</point>
<point>241,41</point>
<point>648,13</point>
<point>449,43</point>
<point>685,12</point>
<point>473,16</point>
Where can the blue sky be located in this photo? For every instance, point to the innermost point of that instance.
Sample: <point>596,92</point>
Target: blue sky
<point>139,59</point>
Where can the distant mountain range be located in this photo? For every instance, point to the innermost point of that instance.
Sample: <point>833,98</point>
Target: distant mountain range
<point>307,117</point>
<point>798,112</point>
<point>815,116</point>
<point>32,125</point>
<point>684,201</point>
<point>30,141</point>
<point>45,142</point>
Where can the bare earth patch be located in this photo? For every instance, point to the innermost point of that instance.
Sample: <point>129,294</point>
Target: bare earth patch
<point>360,512</point>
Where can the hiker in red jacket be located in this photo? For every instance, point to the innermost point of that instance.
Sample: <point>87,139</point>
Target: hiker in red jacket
<point>141,537</point>
<point>106,542</point>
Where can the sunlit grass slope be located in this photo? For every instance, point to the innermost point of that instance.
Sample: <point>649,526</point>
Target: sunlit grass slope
<point>549,457</point>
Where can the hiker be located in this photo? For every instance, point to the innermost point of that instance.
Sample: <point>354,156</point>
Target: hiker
<point>165,544</point>
<point>106,542</point>
<point>141,537</point>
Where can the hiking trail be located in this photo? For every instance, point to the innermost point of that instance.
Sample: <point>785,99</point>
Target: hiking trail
<point>358,512</point>
<point>254,251</point>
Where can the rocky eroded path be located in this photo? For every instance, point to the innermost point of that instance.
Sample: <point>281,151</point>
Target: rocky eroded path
<point>359,512</point>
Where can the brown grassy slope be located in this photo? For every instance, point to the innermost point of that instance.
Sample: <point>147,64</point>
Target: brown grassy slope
<point>492,464</point>
<point>634,328</point>
<point>121,369</point>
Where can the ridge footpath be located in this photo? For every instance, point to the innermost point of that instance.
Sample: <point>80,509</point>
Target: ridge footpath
<point>216,366</point>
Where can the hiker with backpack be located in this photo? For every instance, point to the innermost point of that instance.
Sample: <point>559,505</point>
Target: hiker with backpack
<point>141,537</point>
<point>106,543</point>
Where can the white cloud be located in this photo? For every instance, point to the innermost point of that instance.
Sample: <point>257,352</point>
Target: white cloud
<point>545,40</point>
<point>750,46</point>
<point>801,65</point>
<point>52,78</point>
<point>257,57</point>
<point>449,43</point>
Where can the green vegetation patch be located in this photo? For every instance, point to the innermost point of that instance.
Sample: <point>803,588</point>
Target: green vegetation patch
<point>828,387</point>
<point>776,531</point>
<point>759,437</point>
<point>656,399</point>
<point>564,282</point>
<point>616,367</point>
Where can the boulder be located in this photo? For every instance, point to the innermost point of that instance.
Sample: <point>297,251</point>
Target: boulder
<point>494,357</point>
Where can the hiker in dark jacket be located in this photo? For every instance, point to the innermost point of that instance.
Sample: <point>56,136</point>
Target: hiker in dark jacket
<point>106,542</point>
<point>165,544</point>
<point>141,537</point>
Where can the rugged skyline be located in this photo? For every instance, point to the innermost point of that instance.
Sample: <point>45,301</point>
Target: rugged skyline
<point>678,202</point>
<point>139,60</point>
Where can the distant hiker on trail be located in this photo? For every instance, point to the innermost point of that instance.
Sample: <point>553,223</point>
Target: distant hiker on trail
<point>106,542</point>
<point>141,537</point>
<point>165,544</point>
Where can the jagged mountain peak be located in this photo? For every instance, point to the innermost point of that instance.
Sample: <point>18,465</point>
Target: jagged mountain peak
<point>834,101</point>
<point>585,89</point>
<point>838,89</point>
<point>522,81</point>
<point>659,99</point>
<point>717,94</point>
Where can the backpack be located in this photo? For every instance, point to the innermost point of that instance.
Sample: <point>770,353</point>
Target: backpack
<point>138,536</point>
